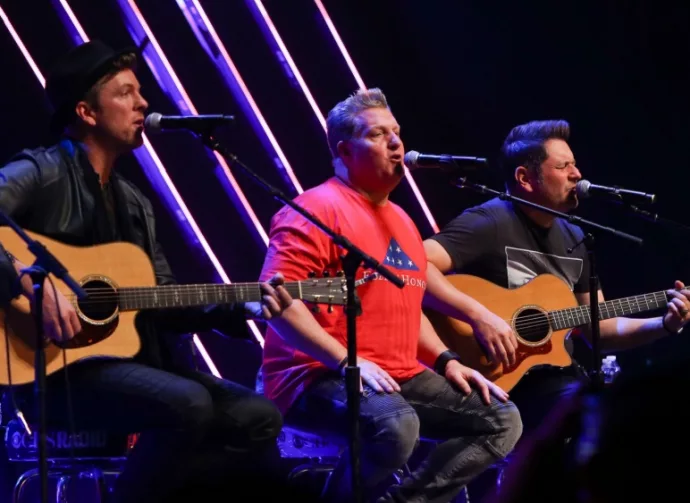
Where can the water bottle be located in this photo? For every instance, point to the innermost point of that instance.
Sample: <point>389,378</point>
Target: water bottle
<point>609,369</point>
<point>259,383</point>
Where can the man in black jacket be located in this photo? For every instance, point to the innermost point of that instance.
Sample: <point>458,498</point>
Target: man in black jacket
<point>193,426</point>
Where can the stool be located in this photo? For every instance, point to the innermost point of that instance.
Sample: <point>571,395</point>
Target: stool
<point>82,463</point>
<point>319,454</point>
<point>69,480</point>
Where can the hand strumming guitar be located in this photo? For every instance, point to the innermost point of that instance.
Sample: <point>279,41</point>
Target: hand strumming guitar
<point>60,319</point>
<point>496,337</point>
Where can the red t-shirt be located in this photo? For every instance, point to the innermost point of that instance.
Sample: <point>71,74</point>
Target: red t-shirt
<point>388,328</point>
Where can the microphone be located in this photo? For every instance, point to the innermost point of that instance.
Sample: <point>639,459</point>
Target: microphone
<point>414,160</point>
<point>585,189</point>
<point>198,123</point>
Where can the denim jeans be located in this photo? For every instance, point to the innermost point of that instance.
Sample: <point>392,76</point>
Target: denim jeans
<point>196,430</point>
<point>471,436</point>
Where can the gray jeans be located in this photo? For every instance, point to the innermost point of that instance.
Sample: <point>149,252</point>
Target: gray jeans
<point>471,436</point>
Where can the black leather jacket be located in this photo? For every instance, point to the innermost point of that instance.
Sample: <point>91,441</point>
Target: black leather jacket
<point>44,190</point>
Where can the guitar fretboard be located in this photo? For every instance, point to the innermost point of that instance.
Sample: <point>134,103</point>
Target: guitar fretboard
<point>577,316</point>
<point>194,295</point>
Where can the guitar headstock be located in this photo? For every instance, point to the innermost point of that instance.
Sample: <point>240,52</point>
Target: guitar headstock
<point>331,291</point>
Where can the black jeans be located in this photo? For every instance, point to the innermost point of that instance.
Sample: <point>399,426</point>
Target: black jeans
<point>542,389</point>
<point>196,430</point>
<point>536,396</point>
<point>471,435</point>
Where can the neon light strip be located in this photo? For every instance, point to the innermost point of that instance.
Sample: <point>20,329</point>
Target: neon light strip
<point>261,15</point>
<point>209,40</point>
<point>340,44</point>
<point>360,83</point>
<point>159,178</point>
<point>22,47</point>
<point>171,85</point>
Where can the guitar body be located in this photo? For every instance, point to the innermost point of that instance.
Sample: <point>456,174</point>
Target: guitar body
<point>118,264</point>
<point>524,308</point>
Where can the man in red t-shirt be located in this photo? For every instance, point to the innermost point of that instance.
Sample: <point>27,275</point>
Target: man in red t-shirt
<point>401,398</point>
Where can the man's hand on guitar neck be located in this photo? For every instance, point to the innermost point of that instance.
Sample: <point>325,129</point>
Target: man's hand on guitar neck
<point>678,308</point>
<point>57,327</point>
<point>276,299</point>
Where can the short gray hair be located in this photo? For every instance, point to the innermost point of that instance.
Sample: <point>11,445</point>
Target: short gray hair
<point>342,119</point>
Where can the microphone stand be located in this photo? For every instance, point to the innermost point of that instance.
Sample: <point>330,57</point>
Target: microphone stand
<point>351,262</point>
<point>589,243</point>
<point>45,264</point>
<point>649,216</point>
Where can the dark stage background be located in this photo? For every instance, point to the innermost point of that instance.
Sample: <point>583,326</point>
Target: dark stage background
<point>458,76</point>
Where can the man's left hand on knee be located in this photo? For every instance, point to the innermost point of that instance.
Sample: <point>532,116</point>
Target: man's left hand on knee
<point>466,378</point>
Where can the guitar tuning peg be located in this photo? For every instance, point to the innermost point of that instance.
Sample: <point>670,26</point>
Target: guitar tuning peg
<point>316,309</point>
<point>311,274</point>
<point>326,274</point>
<point>340,274</point>
<point>330,308</point>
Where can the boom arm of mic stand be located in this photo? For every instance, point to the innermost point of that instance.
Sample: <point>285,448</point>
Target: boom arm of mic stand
<point>44,259</point>
<point>483,189</point>
<point>653,217</point>
<point>340,240</point>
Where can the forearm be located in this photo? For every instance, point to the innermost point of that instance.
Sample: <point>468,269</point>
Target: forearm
<point>430,345</point>
<point>619,334</point>
<point>300,329</point>
<point>443,297</point>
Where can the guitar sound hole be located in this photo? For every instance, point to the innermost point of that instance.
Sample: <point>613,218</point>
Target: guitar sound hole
<point>101,302</point>
<point>532,325</point>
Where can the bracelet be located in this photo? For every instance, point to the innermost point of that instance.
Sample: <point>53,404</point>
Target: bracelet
<point>342,364</point>
<point>663,324</point>
<point>442,361</point>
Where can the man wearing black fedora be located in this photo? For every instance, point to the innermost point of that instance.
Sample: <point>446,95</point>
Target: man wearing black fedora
<point>189,421</point>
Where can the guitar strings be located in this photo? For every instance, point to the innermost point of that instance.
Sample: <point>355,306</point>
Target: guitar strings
<point>104,295</point>
<point>535,321</point>
<point>100,295</point>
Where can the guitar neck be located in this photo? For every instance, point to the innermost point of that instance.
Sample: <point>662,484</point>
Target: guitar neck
<point>577,316</point>
<point>158,297</point>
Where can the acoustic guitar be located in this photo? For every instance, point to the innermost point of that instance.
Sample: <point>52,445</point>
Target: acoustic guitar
<point>123,285</point>
<point>542,312</point>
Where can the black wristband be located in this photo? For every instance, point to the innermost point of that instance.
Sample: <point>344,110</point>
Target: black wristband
<point>663,324</point>
<point>342,364</point>
<point>443,359</point>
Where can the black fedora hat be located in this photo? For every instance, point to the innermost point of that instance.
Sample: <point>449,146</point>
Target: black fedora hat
<point>74,73</point>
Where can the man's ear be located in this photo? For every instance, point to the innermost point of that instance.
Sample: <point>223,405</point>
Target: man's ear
<point>523,178</point>
<point>86,113</point>
<point>343,148</point>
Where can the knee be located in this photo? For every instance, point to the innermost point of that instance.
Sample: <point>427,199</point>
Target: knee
<point>394,439</point>
<point>508,423</point>
<point>260,421</point>
<point>195,407</point>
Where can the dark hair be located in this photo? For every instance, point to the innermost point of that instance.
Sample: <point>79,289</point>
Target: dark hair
<point>124,62</point>
<point>524,146</point>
